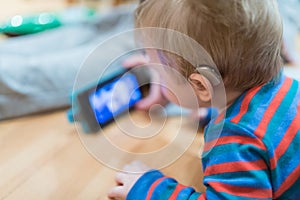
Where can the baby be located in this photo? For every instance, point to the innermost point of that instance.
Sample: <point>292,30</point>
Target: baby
<point>257,153</point>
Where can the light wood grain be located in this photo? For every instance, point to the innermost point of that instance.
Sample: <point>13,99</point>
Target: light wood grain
<point>42,157</point>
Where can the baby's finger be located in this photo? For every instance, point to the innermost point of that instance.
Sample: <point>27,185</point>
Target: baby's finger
<point>146,103</point>
<point>116,193</point>
<point>120,178</point>
<point>135,61</point>
<point>140,165</point>
<point>128,168</point>
<point>155,97</point>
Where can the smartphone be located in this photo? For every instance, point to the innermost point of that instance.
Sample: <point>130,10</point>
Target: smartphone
<point>100,104</point>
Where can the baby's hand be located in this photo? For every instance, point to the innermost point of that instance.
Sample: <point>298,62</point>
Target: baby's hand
<point>155,94</point>
<point>126,179</point>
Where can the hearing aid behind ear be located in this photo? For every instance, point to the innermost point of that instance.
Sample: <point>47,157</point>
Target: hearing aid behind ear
<point>210,73</point>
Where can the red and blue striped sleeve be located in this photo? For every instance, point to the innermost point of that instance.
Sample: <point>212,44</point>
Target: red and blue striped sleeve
<point>154,185</point>
<point>235,168</point>
<point>240,184</point>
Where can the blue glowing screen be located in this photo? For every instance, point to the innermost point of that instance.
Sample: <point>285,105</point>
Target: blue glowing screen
<point>115,97</point>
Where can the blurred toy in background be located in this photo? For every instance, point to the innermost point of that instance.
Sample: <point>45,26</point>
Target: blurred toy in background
<point>29,24</point>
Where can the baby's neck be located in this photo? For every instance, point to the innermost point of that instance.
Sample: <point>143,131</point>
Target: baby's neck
<point>232,95</point>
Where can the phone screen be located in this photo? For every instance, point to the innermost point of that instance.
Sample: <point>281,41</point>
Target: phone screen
<point>115,97</point>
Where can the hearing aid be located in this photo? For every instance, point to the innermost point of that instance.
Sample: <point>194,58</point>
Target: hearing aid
<point>210,73</point>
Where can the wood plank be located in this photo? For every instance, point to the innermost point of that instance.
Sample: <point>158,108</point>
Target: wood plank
<point>43,158</point>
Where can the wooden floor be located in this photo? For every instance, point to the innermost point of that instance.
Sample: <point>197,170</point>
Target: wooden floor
<point>42,157</point>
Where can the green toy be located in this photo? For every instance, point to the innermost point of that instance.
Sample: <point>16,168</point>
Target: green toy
<point>22,25</point>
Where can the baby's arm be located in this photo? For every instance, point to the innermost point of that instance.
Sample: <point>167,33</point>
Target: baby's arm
<point>241,180</point>
<point>154,185</point>
<point>151,185</point>
<point>227,180</point>
<point>235,168</point>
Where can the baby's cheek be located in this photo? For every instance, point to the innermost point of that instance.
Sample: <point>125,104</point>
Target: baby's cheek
<point>182,98</point>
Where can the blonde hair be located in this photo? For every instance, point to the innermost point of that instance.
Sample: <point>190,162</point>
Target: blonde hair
<point>243,37</point>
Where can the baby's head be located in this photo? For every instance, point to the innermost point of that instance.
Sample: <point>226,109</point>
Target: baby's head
<point>243,37</point>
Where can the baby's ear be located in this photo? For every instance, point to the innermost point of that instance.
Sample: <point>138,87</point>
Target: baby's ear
<point>202,87</point>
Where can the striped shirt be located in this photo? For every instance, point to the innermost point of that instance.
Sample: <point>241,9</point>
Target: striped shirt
<point>256,155</point>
